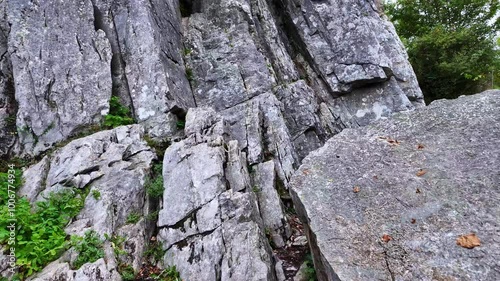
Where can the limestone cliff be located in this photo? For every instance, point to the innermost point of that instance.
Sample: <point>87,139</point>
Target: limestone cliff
<point>239,90</point>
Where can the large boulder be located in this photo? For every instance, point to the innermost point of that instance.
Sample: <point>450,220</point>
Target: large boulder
<point>389,201</point>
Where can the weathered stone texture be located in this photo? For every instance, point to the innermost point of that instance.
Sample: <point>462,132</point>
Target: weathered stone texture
<point>424,179</point>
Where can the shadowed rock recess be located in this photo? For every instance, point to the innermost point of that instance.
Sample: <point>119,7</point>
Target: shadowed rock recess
<point>227,98</point>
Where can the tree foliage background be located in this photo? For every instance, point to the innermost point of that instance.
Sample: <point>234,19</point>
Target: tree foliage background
<point>453,45</point>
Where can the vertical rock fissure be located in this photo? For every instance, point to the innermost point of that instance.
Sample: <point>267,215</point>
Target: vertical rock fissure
<point>297,45</point>
<point>120,87</point>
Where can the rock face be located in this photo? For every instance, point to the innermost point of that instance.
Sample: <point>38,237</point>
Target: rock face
<point>243,90</point>
<point>388,201</point>
<point>211,229</point>
<point>114,163</point>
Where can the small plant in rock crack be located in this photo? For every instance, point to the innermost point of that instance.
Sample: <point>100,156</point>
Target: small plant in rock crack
<point>89,248</point>
<point>168,274</point>
<point>96,194</point>
<point>117,244</point>
<point>154,252</point>
<point>127,272</point>
<point>119,115</point>
<point>310,272</point>
<point>154,185</point>
<point>133,218</point>
<point>189,74</point>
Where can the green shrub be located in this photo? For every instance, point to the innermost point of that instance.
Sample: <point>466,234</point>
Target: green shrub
<point>96,194</point>
<point>310,272</point>
<point>117,244</point>
<point>154,185</point>
<point>133,218</point>
<point>127,272</point>
<point>154,252</point>
<point>89,248</point>
<point>40,236</point>
<point>119,115</point>
<point>168,274</point>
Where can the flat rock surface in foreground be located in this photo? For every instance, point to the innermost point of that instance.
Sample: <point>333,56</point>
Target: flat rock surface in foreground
<point>389,201</point>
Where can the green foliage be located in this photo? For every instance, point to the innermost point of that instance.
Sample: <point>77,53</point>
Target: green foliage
<point>127,272</point>
<point>450,44</point>
<point>187,51</point>
<point>89,248</point>
<point>133,218</point>
<point>40,236</point>
<point>310,272</point>
<point>154,252</point>
<point>96,194</point>
<point>117,244</point>
<point>154,185</point>
<point>189,74</point>
<point>168,274</point>
<point>158,146</point>
<point>119,115</point>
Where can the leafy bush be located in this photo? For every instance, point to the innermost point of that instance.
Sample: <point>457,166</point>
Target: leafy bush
<point>168,274</point>
<point>127,272</point>
<point>154,185</point>
<point>89,248</point>
<point>119,115</point>
<point>96,194</point>
<point>40,235</point>
<point>133,218</point>
<point>310,272</point>
<point>450,44</point>
<point>154,252</point>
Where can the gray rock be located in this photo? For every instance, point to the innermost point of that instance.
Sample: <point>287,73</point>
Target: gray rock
<point>7,99</point>
<point>423,178</point>
<point>270,205</point>
<point>61,68</point>
<point>211,231</point>
<point>99,162</point>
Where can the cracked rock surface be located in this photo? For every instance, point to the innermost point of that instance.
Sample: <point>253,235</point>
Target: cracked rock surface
<point>240,90</point>
<point>114,163</point>
<point>423,179</point>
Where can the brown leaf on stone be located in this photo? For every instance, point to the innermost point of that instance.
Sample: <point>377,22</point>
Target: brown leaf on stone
<point>386,238</point>
<point>468,241</point>
<point>390,140</point>
<point>393,142</point>
<point>413,221</point>
<point>356,189</point>
<point>421,172</point>
<point>420,146</point>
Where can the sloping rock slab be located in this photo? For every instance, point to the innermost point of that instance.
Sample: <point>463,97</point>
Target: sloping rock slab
<point>388,201</point>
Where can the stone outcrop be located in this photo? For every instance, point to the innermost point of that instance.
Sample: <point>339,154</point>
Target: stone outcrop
<point>210,228</point>
<point>389,201</point>
<point>242,90</point>
<point>114,163</point>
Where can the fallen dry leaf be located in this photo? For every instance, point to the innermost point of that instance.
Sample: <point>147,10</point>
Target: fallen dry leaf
<point>421,172</point>
<point>420,146</point>
<point>386,238</point>
<point>468,241</point>
<point>390,140</point>
<point>356,189</point>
